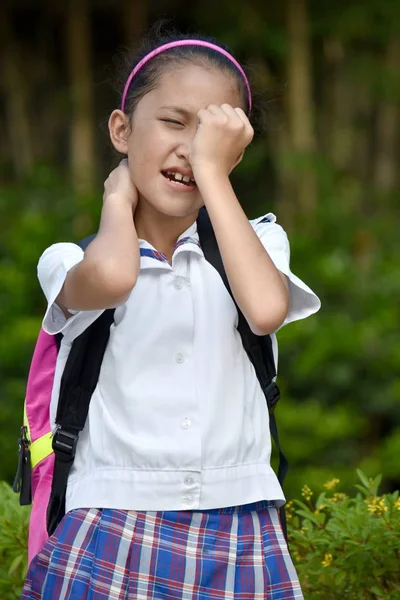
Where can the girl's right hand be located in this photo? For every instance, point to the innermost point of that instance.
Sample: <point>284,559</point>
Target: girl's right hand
<point>119,183</point>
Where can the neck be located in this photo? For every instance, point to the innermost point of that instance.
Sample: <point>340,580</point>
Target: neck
<point>160,230</point>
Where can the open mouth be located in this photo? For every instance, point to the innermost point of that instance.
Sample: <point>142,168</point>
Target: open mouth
<point>178,178</point>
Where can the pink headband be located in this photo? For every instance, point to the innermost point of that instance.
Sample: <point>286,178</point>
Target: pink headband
<point>164,47</point>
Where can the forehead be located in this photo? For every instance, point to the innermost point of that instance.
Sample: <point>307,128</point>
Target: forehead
<point>193,87</point>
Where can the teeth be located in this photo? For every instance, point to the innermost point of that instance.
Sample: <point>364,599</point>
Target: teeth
<point>179,177</point>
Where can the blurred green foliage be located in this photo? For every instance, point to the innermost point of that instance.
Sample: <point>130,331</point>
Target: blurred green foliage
<point>339,370</point>
<point>347,547</point>
<point>14,522</point>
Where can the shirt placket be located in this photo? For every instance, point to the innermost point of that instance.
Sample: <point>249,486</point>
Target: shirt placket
<point>190,424</point>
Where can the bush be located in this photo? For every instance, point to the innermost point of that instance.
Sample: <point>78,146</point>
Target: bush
<point>13,543</point>
<point>347,547</point>
<point>342,547</point>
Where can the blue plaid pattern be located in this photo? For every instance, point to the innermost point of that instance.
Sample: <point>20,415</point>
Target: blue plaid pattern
<point>186,240</point>
<point>160,256</point>
<point>153,254</point>
<point>222,554</point>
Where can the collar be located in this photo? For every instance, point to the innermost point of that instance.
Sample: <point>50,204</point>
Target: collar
<point>151,258</point>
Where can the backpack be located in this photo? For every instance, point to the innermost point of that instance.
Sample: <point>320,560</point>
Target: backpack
<point>45,457</point>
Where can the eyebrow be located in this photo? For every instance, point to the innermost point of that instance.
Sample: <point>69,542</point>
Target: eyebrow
<point>177,109</point>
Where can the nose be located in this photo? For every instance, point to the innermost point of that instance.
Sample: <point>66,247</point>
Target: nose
<point>182,151</point>
<point>185,143</point>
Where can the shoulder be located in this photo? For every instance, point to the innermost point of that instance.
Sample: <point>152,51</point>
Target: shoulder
<point>267,218</point>
<point>57,260</point>
<point>270,232</point>
<point>60,251</point>
<point>267,222</point>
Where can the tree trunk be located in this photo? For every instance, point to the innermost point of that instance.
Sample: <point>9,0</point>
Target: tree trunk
<point>346,106</point>
<point>16,101</point>
<point>336,134</point>
<point>300,106</point>
<point>388,127</point>
<point>134,16</point>
<point>82,154</point>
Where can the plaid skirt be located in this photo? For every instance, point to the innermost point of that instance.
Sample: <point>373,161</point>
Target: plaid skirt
<point>228,553</point>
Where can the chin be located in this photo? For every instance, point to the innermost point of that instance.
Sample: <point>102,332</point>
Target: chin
<point>180,212</point>
<point>176,207</point>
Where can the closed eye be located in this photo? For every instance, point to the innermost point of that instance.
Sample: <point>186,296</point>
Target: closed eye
<point>173,122</point>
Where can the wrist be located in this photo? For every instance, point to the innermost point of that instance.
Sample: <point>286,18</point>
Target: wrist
<point>117,198</point>
<point>210,175</point>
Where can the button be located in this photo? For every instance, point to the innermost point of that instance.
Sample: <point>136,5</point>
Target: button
<point>178,284</point>
<point>187,499</point>
<point>189,481</point>
<point>180,358</point>
<point>186,423</point>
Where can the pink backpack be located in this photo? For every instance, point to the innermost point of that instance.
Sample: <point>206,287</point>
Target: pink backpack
<point>45,456</point>
<point>36,456</point>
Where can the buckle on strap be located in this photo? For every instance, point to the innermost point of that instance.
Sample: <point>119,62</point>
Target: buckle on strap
<point>64,443</point>
<point>272,395</point>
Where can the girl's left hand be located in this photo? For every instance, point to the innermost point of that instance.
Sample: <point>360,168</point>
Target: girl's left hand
<point>223,134</point>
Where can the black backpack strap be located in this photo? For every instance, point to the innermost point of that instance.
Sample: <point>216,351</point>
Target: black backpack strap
<point>258,348</point>
<point>78,383</point>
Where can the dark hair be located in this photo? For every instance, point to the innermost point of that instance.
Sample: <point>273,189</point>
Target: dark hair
<point>148,76</point>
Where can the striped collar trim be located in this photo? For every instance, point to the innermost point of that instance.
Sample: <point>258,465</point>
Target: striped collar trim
<point>187,242</point>
<point>152,253</point>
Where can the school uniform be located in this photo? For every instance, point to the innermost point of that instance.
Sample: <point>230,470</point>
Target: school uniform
<point>171,494</point>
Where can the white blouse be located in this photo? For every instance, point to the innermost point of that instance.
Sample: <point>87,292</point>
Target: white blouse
<point>178,420</point>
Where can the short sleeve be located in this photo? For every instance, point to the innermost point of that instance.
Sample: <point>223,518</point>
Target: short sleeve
<point>52,270</point>
<point>303,301</point>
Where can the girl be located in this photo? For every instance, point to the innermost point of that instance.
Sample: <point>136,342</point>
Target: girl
<point>172,495</point>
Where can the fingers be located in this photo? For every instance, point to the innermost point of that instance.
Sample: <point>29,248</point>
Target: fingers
<point>249,129</point>
<point>225,114</point>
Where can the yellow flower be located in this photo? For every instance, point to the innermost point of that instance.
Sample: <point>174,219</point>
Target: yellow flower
<point>327,560</point>
<point>304,530</point>
<point>331,484</point>
<point>397,504</point>
<point>297,556</point>
<point>376,506</point>
<point>338,497</point>
<point>306,492</point>
<point>289,511</point>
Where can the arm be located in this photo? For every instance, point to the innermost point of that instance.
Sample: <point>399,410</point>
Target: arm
<point>259,289</point>
<point>110,267</point>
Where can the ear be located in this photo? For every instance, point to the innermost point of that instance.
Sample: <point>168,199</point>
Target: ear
<point>118,126</point>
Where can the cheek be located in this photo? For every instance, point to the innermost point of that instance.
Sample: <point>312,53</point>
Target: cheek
<point>148,147</point>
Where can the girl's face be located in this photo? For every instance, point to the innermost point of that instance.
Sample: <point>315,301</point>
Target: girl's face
<point>162,130</point>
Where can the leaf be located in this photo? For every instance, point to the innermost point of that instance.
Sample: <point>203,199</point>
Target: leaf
<point>18,560</point>
<point>363,478</point>
<point>377,482</point>
<point>363,490</point>
<point>377,591</point>
<point>316,519</point>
